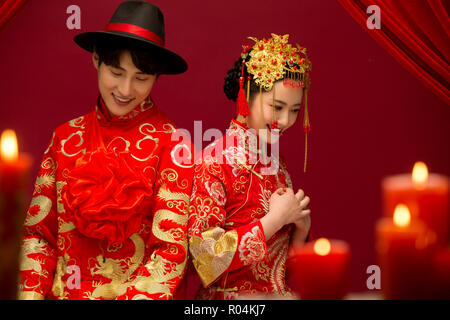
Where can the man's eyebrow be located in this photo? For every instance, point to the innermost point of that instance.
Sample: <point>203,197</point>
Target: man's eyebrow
<point>120,68</point>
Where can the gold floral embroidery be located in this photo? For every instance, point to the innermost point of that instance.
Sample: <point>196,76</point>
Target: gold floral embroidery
<point>209,167</point>
<point>212,253</point>
<point>279,250</point>
<point>286,174</point>
<point>201,211</point>
<point>257,213</point>
<point>240,184</point>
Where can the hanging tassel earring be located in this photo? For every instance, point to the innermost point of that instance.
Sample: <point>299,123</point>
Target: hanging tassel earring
<point>306,127</point>
<point>242,105</point>
<point>274,124</point>
<point>248,89</point>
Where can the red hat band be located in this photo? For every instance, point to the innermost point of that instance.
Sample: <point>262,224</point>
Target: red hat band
<point>136,30</point>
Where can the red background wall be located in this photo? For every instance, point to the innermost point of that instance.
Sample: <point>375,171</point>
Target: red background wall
<point>370,117</point>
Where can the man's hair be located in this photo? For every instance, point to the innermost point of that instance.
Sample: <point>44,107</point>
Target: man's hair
<point>144,58</point>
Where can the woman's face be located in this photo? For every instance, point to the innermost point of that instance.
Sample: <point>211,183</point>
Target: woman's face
<point>125,87</point>
<point>285,110</point>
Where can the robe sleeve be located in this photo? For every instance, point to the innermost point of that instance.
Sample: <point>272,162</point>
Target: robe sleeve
<point>214,249</point>
<point>38,249</point>
<point>162,274</point>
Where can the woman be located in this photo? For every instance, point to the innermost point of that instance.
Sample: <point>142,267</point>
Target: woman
<point>243,213</point>
<point>108,217</point>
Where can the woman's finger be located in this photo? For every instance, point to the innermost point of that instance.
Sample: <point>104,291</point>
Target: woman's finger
<point>300,194</point>
<point>306,212</point>
<point>304,203</point>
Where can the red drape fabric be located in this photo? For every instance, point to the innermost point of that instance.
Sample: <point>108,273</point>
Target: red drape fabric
<point>8,9</point>
<point>416,33</point>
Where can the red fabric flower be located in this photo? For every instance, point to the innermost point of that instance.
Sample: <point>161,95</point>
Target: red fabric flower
<point>107,196</point>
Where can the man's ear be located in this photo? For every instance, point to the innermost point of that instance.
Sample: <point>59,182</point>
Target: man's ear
<point>95,59</point>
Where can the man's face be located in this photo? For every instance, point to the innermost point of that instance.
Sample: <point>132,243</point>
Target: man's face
<point>125,87</point>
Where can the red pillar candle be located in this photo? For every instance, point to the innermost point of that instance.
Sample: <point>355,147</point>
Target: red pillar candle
<point>426,195</point>
<point>441,274</point>
<point>320,270</point>
<point>404,248</point>
<point>14,178</point>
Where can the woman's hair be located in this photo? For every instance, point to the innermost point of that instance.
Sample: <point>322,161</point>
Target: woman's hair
<point>231,85</point>
<point>148,61</point>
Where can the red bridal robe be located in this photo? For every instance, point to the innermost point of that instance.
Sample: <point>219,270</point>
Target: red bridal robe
<point>108,216</point>
<point>226,239</point>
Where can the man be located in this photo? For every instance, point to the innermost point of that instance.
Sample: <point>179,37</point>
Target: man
<point>108,217</point>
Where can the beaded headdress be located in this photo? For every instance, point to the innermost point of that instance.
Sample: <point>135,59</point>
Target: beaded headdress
<point>271,60</point>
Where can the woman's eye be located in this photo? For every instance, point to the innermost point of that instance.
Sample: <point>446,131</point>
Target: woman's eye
<point>296,110</point>
<point>115,73</point>
<point>141,79</point>
<point>278,108</point>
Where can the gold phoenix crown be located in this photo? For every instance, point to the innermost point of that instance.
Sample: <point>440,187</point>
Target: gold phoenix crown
<point>273,59</point>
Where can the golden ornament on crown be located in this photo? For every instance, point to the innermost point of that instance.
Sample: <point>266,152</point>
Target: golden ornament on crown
<point>274,59</point>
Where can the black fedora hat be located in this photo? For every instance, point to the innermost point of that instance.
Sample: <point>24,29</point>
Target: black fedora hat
<point>141,23</point>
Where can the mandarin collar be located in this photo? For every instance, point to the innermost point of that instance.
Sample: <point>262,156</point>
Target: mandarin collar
<point>242,131</point>
<point>251,146</point>
<point>105,117</point>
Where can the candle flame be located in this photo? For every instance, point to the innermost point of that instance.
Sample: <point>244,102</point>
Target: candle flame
<point>420,173</point>
<point>322,247</point>
<point>402,216</point>
<point>8,146</point>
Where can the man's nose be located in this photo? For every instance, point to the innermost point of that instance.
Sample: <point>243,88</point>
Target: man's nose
<point>125,88</point>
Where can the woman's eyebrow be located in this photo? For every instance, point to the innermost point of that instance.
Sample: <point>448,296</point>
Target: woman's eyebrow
<point>284,103</point>
<point>281,102</point>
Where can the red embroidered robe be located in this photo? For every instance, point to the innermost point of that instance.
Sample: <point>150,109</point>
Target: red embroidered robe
<point>229,197</point>
<point>114,227</point>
